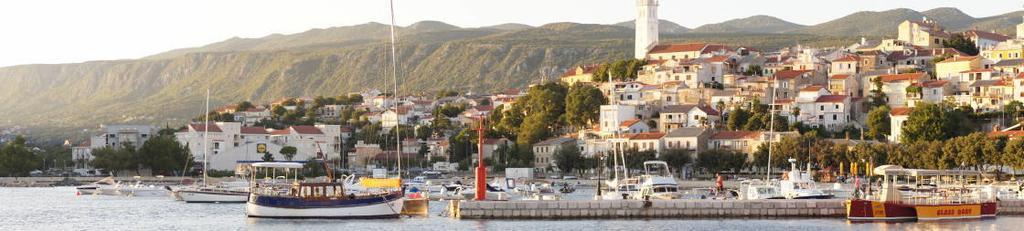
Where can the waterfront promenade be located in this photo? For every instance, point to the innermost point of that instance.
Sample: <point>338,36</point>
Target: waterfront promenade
<point>831,208</point>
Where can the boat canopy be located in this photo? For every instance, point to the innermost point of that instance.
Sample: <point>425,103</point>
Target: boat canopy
<point>277,165</point>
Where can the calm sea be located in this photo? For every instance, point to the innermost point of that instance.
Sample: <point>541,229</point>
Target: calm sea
<point>60,209</point>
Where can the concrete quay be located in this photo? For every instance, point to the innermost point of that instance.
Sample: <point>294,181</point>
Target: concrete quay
<point>832,208</point>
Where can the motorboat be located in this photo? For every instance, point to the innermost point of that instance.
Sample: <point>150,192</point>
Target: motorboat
<point>139,189</point>
<point>759,190</point>
<point>799,185</point>
<point>621,189</point>
<point>383,198</point>
<point>710,193</point>
<point>106,186</point>
<point>949,198</point>
<point>657,182</point>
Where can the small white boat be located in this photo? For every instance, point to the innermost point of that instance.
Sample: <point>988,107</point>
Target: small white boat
<point>105,186</point>
<point>657,182</point>
<point>759,190</point>
<point>141,190</point>
<point>621,189</point>
<point>799,185</point>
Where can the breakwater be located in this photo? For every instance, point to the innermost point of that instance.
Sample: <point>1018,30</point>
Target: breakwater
<point>831,208</point>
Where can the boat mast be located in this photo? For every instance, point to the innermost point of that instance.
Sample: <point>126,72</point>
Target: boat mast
<point>206,132</point>
<point>394,72</point>
<point>771,128</point>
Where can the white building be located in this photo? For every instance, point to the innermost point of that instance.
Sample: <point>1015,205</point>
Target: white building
<point>117,136</point>
<point>897,118</point>
<point>229,143</point>
<point>613,115</point>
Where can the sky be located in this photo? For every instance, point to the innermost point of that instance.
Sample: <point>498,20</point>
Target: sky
<point>65,31</point>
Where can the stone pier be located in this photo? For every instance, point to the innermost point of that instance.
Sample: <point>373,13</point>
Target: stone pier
<point>833,208</point>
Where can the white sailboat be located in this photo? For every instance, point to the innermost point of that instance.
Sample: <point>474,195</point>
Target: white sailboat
<point>757,189</point>
<point>207,193</point>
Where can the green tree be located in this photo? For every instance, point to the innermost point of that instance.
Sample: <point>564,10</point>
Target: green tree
<point>583,105</point>
<point>242,106</point>
<point>568,158</point>
<point>116,160</point>
<point>635,159</point>
<point>962,44</point>
<point>677,158</point>
<point>717,160</point>
<point>878,122</point>
<point>16,159</point>
<point>268,157</point>
<point>929,122</point>
<point>164,155</point>
<point>737,119</point>
<point>620,70</point>
<point>878,97</point>
<point>289,152</point>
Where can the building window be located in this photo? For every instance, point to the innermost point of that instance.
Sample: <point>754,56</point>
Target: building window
<point>822,108</point>
<point>834,117</point>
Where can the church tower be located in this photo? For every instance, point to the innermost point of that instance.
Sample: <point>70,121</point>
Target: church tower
<point>1020,30</point>
<point>646,27</point>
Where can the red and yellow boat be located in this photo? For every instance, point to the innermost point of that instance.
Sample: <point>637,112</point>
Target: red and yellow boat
<point>924,195</point>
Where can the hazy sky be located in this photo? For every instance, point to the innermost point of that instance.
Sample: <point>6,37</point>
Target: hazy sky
<point>60,31</point>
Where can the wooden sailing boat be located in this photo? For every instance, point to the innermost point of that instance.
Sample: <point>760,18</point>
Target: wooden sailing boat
<point>273,197</point>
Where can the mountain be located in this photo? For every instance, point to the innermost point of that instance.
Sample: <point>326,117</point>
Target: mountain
<point>864,23</point>
<point>951,18</point>
<point>59,100</point>
<point>664,26</point>
<point>753,24</point>
<point>510,26</point>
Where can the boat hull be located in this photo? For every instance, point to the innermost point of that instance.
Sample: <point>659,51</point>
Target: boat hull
<point>865,210</point>
<point>291,208</point>
<point>191,196</point>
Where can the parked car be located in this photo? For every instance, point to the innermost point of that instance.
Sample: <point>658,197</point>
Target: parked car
<point>555,176</point>
<point>569,177</point>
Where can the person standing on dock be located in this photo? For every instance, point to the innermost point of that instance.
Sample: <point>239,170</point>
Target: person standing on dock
<point>719,183</point>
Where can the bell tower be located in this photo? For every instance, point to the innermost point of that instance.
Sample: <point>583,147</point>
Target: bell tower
<point>647,27</point>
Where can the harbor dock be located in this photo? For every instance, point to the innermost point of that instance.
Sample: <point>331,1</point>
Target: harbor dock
<point>830,208</point>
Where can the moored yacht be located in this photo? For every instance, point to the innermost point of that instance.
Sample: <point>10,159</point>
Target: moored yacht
<point>799,185</point>
<point>657,182</point>
<point>304,199</point>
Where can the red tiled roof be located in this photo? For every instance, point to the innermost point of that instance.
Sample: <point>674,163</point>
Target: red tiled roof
<point>848,58</point>
<point>831,99</point>
<point>646,136</point>
<point>840,76</point>
<point>902,77</point>
<point>790,74</point>
<point>733,135</point>
<point>587,69</point>
<point>932,84</point>
<point>977,70</point>
<point>629,123</point>
<point>957,58</point>
<point>202,128</point>
<point>986,35</point>
<point>718,58</point>
<point>656,62</point>
<point>709,110</point>
<point>280,132</point>
<point>812,88</point>
<point>714,47</point>
<point>672,48</point>
<point>306,129</point>
<point>783,101</point>
<point>900,111</point>
<point>253,130</point>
